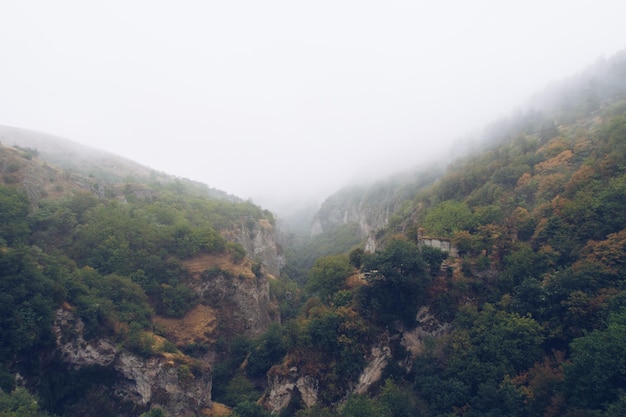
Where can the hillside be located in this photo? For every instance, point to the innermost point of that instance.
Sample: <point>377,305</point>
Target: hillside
<point>123,294</point>
<point>523,318</point>
<point>75,158</point>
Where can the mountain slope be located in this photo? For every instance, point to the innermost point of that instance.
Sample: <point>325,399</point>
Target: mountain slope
<point>106,285</point>
<point>524,320</point>
<point>73,157</point>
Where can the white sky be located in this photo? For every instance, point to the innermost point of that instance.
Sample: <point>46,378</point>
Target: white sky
<point>276,100</point>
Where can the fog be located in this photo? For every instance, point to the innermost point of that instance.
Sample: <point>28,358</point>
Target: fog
<point>286,101</point>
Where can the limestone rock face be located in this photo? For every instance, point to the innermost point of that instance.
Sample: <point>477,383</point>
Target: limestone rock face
<point>370,216</point>
<point>159,381</point>
<point>283,387</point>
<point>429,327</point>
<point>260,241</point>
<point>244,301</point>
<point>74,350</point>
<point>172,383</point>
<point>373,372</point>
<point>369,208</point>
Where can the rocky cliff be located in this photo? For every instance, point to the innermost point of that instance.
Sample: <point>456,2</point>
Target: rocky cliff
<point>370,207</point>
<point>284,387</point>
<point>178,384</point>
<point>260,241</point>
<point>239,298</point>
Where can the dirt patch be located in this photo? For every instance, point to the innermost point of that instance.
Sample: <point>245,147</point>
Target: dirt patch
<point>197,326</point>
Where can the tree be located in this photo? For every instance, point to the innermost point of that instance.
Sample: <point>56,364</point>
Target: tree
<point>14,209</point>
<point>250,409</point>
<point>27,302</point>
<point>361,406</point>
<point>433,257</point>
<point>448,217</point>
<point>328,275</point>
<point>154,412</point>
<point>399,401</point>
<point>19,403</point>
<point>356,257</point>
<point>397,283</point>
<point>487,346</point>
<point>597,374</point>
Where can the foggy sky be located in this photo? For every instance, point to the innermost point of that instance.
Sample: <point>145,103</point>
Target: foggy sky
<point>279,100</point>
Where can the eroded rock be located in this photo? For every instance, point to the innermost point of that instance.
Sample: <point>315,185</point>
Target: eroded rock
<point>179,385</point>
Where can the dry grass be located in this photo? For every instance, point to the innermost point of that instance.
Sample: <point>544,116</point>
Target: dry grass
<point>354,281</point>
<point>265,224</point>
<point>205,262</point>
<point>218,410</point>
<point>197,326</point>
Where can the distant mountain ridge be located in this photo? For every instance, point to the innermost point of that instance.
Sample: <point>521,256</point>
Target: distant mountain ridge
<point>371,207</point>
<point>88,161</point>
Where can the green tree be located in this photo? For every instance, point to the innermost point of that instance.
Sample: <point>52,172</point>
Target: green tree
<point>362,406</point>
<point>597,374</point>
<point>250,409</point>
<point>433,257</point>
<point>449,217</point>
<point>270,349</point>
<point>328,275</point>
<point>397,282</point>
<point>14,208</point>
<point>315,411</point>
<point>399,401</point>
<point>356,257</point>
<point>154,412</point>
<point>27,302</point>
<point>19,403</point>
<point>487,346</point>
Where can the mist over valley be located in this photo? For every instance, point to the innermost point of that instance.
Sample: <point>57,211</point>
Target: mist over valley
<point>312,210</point>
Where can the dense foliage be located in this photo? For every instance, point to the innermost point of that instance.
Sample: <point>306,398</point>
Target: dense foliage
<point>114,259</point>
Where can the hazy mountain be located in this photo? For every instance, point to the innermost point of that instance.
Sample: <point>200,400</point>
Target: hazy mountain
<point>87,161</point>
<point>492,286</point>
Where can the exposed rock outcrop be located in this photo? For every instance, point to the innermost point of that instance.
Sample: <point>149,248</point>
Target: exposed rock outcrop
<point>429,327</point>
<point>243,302</point>
<point>373,372</point>
<point>260,241</point>
<point>285,386</point>
<point>282,388</point>
<point>73,348</point>
<point>177,387</point>
<point>177,384</point>
<point>370,209</point>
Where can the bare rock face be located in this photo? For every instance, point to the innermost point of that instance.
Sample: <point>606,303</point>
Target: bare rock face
<point>159,381</point>
<point>74,350</point>
<point>369,216</point>
<point>260,241</point>
<point>373,372</point>
<point>429,327</point>
<point>175,383</point>
<point>244,302</point>
<point>283,387</point>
